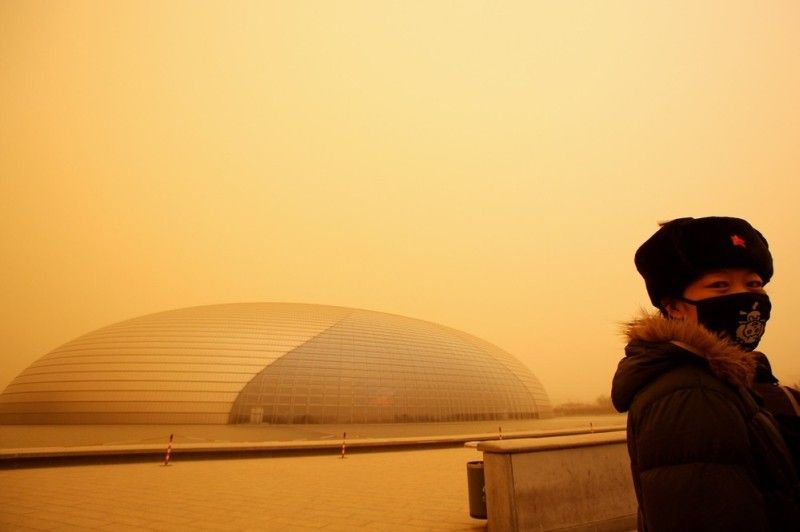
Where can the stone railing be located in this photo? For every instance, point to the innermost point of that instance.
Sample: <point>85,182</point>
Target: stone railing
<point>576,483</point>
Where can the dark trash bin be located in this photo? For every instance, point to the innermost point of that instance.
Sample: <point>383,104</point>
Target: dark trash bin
<point>477,493</point>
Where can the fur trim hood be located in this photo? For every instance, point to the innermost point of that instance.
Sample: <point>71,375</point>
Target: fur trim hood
<point>656,345</point>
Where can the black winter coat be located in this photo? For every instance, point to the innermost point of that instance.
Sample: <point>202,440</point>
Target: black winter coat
<point>704,455</point>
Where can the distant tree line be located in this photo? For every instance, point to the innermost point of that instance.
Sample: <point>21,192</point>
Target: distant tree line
<point>601,405</point>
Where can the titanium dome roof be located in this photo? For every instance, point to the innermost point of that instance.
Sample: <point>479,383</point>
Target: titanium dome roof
<point>273,363</point>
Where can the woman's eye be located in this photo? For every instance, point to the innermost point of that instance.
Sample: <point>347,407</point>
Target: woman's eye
<point>755,284</point>
<point>717,284</point>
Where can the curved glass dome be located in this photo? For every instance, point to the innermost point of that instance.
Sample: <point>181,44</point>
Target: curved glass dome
<point>273,363</point>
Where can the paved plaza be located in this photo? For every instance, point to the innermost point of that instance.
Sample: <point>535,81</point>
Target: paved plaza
<point>396,490</point>
<point>410,488</point>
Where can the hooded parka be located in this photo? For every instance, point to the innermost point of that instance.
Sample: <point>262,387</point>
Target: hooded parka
<point>704,454</point>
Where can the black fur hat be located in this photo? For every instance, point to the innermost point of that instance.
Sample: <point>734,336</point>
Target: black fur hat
<point>684,249</point>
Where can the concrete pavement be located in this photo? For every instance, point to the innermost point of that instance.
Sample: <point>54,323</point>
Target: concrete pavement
<point>388,491</point>
<point>375,489</point>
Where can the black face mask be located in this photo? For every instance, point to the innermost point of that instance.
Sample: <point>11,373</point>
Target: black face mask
<point>741,317</point>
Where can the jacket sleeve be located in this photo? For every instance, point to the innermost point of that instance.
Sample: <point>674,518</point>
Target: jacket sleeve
<point>693,460</point>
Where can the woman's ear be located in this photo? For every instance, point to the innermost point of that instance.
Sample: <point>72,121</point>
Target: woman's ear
<point>672,309</point>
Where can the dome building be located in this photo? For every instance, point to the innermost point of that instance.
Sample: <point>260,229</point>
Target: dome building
<point>273,363</point>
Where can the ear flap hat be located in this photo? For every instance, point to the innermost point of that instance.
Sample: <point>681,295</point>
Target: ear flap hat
<point>685,248</point>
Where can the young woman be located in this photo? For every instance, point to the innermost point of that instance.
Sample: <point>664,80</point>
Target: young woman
<point>704,454</point>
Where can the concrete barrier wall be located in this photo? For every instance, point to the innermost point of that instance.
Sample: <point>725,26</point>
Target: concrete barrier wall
<point>576,483</point>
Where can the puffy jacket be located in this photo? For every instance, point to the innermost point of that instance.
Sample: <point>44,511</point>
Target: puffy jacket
<point>704,454</point>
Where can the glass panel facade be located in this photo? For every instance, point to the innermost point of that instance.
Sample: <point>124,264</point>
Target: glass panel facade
<point>273,363</point>
<point>380,368</point>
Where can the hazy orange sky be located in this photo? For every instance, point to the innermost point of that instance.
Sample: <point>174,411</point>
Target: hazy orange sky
<point>490,166</point>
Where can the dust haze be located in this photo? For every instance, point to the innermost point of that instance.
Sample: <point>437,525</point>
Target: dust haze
<point>488,167</point>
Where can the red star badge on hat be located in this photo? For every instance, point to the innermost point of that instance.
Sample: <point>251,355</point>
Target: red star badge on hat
<point>738,241</point>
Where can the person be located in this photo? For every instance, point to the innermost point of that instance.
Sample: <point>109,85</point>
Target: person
<point>704,453</point>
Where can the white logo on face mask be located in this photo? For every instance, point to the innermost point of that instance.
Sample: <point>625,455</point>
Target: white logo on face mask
<point>752,327</point>
<point>723,316</point>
